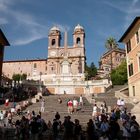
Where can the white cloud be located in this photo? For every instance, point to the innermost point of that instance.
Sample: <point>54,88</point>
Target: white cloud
<point>134,2</point>
<point>130,9</point>
<point>27,40</point>
<point>117,6</point>
<point>133,11</point>
<point>27,27</point>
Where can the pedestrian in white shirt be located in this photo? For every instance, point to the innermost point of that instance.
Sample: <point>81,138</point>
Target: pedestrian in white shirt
<point>75,105</point>
<point>81,101</point>
<point>94,112</point>
<point>122,103</point>
<point>2,118</point>
<point>119,102</point>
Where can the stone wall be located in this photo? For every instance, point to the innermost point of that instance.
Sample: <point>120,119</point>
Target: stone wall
<point>79,90</point>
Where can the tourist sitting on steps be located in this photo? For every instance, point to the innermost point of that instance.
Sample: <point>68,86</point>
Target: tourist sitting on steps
<point>59,100</point>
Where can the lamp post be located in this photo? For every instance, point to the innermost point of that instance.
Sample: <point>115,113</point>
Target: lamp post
<point>13,89</point>
<point>40,88</point>
<point>87,85</point>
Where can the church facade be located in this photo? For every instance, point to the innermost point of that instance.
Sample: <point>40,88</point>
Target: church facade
<point>63,69</point>
<point>52,65</point>
<point>75,54</point>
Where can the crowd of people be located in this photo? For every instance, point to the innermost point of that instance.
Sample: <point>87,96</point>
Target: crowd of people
<point>110,124</point>
<point>74,104</point>
<point>103,125</point>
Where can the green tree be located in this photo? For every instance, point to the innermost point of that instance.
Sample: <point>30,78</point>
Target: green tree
<point>90,71</point>
<point>119,75</point>
<point>23,76</point>
<point>16,77</point>
<point>111,44</point>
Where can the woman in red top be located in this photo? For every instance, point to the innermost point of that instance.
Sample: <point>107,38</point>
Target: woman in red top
<point>70,106</point>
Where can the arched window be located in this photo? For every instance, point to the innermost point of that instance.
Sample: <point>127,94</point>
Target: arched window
<point>78,40</point>
<point>53,42</point>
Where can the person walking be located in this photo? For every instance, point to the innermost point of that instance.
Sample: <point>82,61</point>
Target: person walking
<point>68,128</point>
<point>77,130</point>
<point>94,113</point>
<point>81,101</point>
<point>70,106</point>
<point>42,105</point>
<point>75,105</point>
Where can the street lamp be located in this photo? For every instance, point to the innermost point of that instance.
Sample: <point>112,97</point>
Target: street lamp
<point>40,88</point>
<point>87,85</point>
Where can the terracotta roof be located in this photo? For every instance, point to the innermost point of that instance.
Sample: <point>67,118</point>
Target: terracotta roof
<point>129,28</point>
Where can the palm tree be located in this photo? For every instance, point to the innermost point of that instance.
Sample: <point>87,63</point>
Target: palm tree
<point>111,44</point>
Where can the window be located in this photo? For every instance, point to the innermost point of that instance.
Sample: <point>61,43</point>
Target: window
<point>106,69</point>
<point>53,42</point>
<point>35,66</point>
<point>130,68</point>
<point>139,61</point>
<point>137,37</point>
<point>78,41</point>
<point>128,45</point>
<point>133,90</point>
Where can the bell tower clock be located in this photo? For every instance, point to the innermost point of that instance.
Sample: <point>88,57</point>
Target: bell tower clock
<point>53,41</point>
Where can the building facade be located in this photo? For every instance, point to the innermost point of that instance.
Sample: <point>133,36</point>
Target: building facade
<point>29,67</point>
<point>131,38</point>
<point>3,42</point>
<point>63,70</point>
<point>117,55</point>
<point>53,64</point>
<point>75,54</point>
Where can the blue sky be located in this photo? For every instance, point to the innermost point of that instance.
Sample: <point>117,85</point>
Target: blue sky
<point>26,24</point>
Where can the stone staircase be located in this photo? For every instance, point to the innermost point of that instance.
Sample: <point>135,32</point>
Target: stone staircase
<point>52,106</point>
<point>110,99</point>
